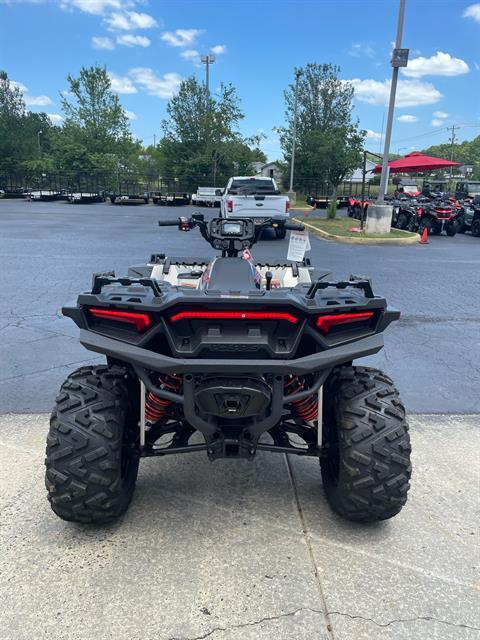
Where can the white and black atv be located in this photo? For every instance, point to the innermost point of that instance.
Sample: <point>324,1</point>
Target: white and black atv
<point>228,357</point>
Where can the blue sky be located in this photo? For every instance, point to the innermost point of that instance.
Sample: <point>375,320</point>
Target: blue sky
<point>149,46</point>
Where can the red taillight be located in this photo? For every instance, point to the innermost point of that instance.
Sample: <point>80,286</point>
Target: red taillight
<point>141,320</point>
<point>325,323</point>
<point>287,206</point>
<point>234,315</point>
<point>230,206</point>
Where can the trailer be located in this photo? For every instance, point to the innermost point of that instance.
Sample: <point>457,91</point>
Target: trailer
<point>130,193</point>
<point>170,199</point>
<point>86,197</point>
<point>207,197</point>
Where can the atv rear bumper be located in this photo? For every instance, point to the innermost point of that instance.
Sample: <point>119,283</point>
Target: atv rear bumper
<point>244,441</point>
<point>151,361</point>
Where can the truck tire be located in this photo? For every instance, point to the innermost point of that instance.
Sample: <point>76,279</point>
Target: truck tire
<point>281,233</point>
<point>367,468</point>
<point>92,455</point>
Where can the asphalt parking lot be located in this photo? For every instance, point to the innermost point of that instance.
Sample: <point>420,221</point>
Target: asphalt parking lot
<point>48,252</point>
<point>238,550</point>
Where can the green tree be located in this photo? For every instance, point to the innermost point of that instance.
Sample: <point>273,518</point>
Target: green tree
<point>328,141</point>
<point>466,152</point>
<point>201,136</point>
<point>19,128</point>
<point>93,113</point>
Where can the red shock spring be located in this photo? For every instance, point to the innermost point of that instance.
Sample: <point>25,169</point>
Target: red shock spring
<point>307,409</point>
<point>155,407</point>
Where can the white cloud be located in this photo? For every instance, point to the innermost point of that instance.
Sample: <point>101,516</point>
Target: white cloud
<point>100,42</point>
<point>130,20</point>
<point>55,118</point>
<point>121,84</point>
<point>130,114</point>
<point>440,64</point>
<point>360,49</point>
<point>32,101</point>
<point>96,7</point>
<point>436,122</point>
<point>192,55</point>
<point>162,86</point>
<point>218,49</point>
<point>472,11</point>
<point>410,93</point>
<point>407,118</point>
<point>189,54</point>
<point>440,114</point>
<point>181,37</point>
<point>130,40</point>
<point>373,135</point>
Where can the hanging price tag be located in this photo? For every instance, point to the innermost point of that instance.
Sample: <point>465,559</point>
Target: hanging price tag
<point>299,243</point>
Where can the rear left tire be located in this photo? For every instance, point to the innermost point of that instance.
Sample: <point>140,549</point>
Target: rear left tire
<point>92,454</point>
<point>367,468</point>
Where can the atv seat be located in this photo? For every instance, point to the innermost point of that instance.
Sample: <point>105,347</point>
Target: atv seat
<point>232,273</point>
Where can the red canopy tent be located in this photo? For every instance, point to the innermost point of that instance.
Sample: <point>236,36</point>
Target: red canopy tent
<point>416,162</point>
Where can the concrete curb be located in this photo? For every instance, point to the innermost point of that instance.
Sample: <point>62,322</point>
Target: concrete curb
<point>329,236</point>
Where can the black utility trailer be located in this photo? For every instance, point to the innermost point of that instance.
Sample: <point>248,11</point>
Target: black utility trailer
<point>130,193</point>
<point>86,197</point>
<point>170,199</point>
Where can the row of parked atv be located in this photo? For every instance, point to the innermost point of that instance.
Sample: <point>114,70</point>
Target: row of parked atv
<point>437,214</point>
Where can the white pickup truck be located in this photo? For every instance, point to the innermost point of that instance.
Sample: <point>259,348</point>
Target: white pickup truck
<point>257,198</point>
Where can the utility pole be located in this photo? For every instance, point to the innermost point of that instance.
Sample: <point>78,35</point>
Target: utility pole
<point>399,59</point>
<point>298,73</point>
<point>207,61</point>
<point>452,142</point>
<point>38,140</point>
<point>154,140</point>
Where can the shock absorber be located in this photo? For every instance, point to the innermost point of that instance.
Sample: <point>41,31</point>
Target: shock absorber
<point>155,407</point>
<point>307,408</point>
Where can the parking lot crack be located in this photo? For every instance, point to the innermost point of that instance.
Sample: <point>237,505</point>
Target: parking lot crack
<point>254,623</point>
<point>459,625</point>
<point>307,538</point>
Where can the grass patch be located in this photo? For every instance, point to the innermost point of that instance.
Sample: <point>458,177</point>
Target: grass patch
<point>340,226</point>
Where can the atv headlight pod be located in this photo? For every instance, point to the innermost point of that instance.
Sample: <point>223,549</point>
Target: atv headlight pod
<point>140,320</point>
<point>326,322</point>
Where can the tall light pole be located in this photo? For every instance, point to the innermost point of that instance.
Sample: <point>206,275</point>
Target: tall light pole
<point>298,73</point>
<point>207,61</point>
<point>39,133</point>
<point>399,59</point>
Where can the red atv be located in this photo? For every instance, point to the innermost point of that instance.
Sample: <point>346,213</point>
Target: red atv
<point>438,216</point>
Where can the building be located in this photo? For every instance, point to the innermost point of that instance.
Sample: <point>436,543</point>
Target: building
<point>268,170</point>
<point>357,175</point>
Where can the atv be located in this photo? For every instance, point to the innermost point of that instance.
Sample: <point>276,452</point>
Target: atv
<point>469,219</point>
<point>438,216</point>
<point>228,357</point>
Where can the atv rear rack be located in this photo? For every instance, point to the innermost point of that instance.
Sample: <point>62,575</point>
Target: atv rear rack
<point>354,282</point>
<point>101,280</point>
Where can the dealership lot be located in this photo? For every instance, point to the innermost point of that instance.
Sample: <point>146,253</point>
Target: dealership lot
<point>237,550</point>
<point>48,252</point>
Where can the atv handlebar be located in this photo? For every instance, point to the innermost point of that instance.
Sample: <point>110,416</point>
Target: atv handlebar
<point>231,235</point>
<point>169,222</point>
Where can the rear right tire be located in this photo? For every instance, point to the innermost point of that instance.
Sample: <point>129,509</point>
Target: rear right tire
<point>367,468</point>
